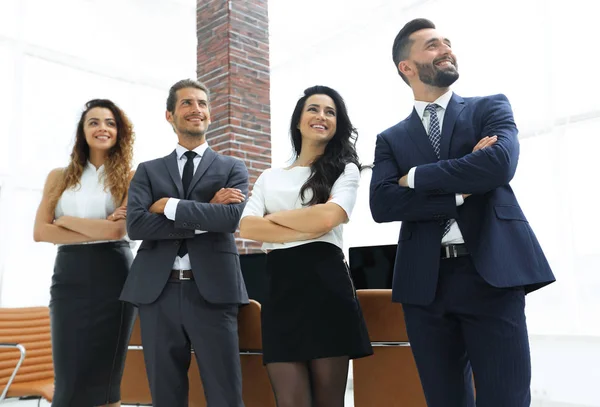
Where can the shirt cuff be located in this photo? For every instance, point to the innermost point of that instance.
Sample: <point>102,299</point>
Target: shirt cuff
<point>171,208</point>
<point>411,178</point>
<point>459,200</point>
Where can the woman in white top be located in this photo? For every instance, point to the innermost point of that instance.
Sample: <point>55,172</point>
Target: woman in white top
<point>312,324</point>
<point>83,212</point>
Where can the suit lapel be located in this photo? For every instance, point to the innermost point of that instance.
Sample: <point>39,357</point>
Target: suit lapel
<point>417,133</point>
<point>455,106</point>
<point>207,158</point>
<point>173,169</point>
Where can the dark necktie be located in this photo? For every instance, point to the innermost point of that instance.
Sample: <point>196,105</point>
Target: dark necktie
<point>186,179</point>
<point>435,137</point>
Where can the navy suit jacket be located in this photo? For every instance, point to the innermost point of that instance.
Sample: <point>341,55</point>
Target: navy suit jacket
<point>213,255</point>
<point>502,245</point>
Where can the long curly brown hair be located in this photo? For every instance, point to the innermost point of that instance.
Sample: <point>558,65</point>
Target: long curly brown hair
<point>118,163</point>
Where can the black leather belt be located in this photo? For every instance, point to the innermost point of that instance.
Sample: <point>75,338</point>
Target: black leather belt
<point>181,275</point>
<point>453,250</point>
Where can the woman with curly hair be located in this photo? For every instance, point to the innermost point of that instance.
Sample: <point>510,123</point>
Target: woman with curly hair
<point>312,324</point>
<point>83,211</point>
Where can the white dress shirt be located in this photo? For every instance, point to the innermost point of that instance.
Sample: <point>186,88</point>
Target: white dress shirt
<point>183,263</point>
<point>454,236</point>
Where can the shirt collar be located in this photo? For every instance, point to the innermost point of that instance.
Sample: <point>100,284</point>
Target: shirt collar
<point>442,102</point>
<point>91,166</point>
<point>200,150</point>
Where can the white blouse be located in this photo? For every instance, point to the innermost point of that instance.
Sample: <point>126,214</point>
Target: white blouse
<point>88,199</point>
<point>278,189</point>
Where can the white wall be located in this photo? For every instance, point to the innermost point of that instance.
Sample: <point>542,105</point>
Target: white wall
<point>537,52</point>
<point>55,56</point>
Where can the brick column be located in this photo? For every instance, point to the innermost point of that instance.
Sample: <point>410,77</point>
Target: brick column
<point>233,61</point>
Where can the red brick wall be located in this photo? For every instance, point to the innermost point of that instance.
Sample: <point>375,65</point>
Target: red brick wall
<point>233,61</point>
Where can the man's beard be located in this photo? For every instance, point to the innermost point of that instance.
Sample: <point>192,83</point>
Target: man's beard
<point>192,133</point>
<point>433,76</point>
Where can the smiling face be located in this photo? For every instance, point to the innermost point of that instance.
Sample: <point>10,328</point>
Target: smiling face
<point>318,120</point>
<point>431,60</point>
<point>191,116</point>
<point>100,129</point>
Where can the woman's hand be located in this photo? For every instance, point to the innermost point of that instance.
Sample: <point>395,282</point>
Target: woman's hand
<point>118,214</point>
<point>59,222</point>
<point>311,236</point>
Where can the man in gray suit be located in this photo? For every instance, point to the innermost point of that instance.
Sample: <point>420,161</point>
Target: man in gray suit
<point>186,277</point>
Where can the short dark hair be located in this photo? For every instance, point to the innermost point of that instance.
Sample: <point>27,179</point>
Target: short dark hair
<point>402,42</point>
<point>182,84</point>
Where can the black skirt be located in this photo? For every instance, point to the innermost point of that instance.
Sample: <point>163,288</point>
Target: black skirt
<point>311,310</point>
<point>90,325</point>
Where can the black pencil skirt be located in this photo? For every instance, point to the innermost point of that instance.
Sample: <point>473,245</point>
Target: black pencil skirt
<point>311,310</point>
<point>90,325</point>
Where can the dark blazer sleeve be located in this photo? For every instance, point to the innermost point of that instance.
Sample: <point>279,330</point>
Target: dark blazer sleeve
<point>222,218</point>
<point>390,202</point>
<point>141,224</point>
<point>483,170</point>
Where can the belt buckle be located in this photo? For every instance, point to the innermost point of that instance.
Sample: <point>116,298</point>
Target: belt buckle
<point>181,277</point>
<point>450,251</point>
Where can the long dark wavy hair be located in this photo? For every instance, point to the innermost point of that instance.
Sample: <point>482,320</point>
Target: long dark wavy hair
<point>118,163</point>
<point>340,150</point>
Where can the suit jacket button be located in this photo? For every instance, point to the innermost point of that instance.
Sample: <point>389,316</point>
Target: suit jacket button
<point>185,224</point>
<point>176,243</point>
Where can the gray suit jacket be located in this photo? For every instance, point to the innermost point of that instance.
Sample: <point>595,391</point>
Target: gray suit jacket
<point>213,255</point>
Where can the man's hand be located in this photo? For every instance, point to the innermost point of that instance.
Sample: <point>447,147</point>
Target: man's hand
<point>228,196</point>
<point>118,214</point>
<point>159,206</point>
<point>403,182</point>
<point>487,141</point>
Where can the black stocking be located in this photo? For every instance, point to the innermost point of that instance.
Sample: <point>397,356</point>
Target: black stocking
<point>290,383</point>
<point>328,378</point>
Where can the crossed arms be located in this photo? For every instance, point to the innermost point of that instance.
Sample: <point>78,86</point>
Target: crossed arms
<point>146,218</point>
<point>293,225</point>
<point>304,223</point>
<point>432,197</point>
<point>71,229</point>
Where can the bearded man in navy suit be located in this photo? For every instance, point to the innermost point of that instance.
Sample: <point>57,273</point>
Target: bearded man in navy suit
<point>466,254</point>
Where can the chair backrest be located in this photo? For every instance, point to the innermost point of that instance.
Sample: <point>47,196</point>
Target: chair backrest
<point>389,377</point>
<point>256,387</point>
<point>249,327</point>
<point>384,318</point>
<point>29,327</point>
